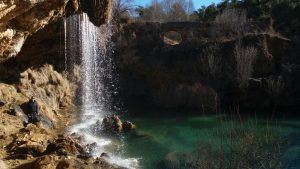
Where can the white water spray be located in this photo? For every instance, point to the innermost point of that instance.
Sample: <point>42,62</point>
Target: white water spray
<point>93,44</point>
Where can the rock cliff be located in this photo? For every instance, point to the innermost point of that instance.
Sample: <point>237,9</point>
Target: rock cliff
<point>201,72</point>
<point>31,64</point>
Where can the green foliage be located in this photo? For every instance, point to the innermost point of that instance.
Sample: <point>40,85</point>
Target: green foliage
<point>286,13</point>
<point>207,13</point>
<point>280,9</point>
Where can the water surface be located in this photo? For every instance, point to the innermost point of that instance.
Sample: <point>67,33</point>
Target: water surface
<point>158,139</point>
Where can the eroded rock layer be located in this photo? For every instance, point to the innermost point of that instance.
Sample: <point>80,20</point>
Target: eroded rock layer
<point>20,19</point>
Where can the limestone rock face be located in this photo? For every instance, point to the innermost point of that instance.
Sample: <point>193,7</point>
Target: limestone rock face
<point>20,19</point>
<point>51,90</point>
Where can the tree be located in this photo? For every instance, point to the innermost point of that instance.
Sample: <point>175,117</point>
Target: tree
<point>177,13</point>
<point>122,9</point>
<point>207,13</point>
<point>166,11</point>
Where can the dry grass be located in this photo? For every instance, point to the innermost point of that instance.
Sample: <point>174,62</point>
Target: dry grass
<point>275,87</point>
<point>244,57</point>
<point>211,59</point>
<point>243,145</point>
<point>232,21</point>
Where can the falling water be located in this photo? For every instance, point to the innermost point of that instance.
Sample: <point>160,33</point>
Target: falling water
<point>94,46</point>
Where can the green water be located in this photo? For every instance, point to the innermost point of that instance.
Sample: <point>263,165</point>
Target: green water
<point>160,138</point>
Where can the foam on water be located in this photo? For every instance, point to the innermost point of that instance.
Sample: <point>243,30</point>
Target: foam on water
<point>94,47</point>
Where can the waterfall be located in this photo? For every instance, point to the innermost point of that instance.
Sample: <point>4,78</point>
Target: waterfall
<point>93,45</point>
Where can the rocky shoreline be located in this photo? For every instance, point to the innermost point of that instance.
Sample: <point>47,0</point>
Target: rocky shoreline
<point>37,147</point>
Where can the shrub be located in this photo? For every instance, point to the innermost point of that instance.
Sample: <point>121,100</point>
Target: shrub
<point>244,57</point>
<point>232,21</point>
<point>211,59</point>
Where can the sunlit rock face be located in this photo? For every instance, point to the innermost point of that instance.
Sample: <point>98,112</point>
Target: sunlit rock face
<point>20,19</point>
<point>51,89</point>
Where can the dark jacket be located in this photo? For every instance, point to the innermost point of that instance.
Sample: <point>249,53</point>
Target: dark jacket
<point>33,112</point>
<point>32,107</point>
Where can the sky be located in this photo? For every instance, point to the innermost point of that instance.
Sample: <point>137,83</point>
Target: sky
<point>197,3</point>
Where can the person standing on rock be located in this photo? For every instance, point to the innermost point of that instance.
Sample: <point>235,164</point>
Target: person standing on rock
<point>33,111</point>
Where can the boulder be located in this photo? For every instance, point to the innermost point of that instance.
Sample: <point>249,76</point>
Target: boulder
<point>65,145</point>
<point>45,162</point>
<point>112,123</point>
<point>128,126</point>
<point>104,155</point>
<point>20,113</point>
<point>30,140</point>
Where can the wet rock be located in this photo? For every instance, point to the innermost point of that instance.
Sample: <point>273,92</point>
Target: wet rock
<point>91,147</point>
<point>104,155</point>
<point>85,156</point>
<point>100,162</point>
<point>128,126</point>
<point>112,123</point>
